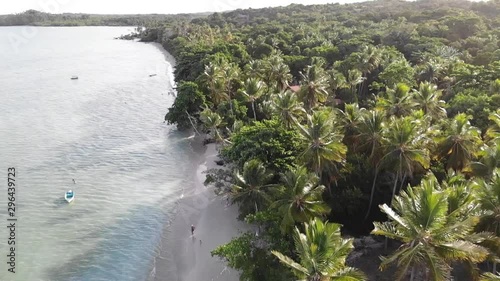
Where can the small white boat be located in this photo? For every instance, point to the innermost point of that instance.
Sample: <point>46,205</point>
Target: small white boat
<point>74,77</point>
<point>69,196</point>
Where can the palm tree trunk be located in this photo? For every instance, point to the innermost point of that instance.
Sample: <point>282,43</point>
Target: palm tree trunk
<point>191,121</point>
<point>412,275</point>
<point>253,108</point>
<point>394,187</point>
<point>402,183</point>
<point>372,193</point>
<point>494,267</point>
<point>392,198</point>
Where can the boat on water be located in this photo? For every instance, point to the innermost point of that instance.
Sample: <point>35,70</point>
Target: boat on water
<point>69,196</point>
<point>74,77</point>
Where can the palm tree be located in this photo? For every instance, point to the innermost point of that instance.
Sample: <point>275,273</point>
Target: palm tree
<point>397,101</point>
<point>337,81</point>
<point>287,106</point>
<point>493,132</point>
<point>212,122</point>
<point>278,72</point>
<point>432,236</point>
<point>323,142</point>
<point>252,91</point>
<point>354,78</point>
<point>350,118</point>
<point>314,85</point>
<point>459,143</point>
<point>428,99</point>
<point>488,196</point>
<point>490,277</point>
<point>403,149</point>
<point>254,69</point>
<point>250,188</point>
<point>300,197</point>
<point>368,59</point>
<point>489,159</point>
<point>369,141</point>
<point>212,76</point>
<point>229,72</point>
<point>322,253</point>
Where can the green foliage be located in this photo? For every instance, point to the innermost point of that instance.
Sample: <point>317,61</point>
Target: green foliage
<point>478,104</point>
<point>422,219</point>
<point>322,254</point>
<point>268,141</point>
<point>255,264</point>
<point>188,103</point>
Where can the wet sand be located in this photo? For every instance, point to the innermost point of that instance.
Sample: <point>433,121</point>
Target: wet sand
<point>186,257</point>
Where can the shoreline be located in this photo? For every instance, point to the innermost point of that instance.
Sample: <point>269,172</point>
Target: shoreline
<point>186,257</point>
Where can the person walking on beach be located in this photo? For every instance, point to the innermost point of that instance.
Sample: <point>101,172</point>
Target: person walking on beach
<point>192,229</point>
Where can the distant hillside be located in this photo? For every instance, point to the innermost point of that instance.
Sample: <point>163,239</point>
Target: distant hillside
<point>33,17</point>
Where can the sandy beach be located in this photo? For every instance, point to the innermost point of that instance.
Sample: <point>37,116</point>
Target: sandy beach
<point>186,257</point>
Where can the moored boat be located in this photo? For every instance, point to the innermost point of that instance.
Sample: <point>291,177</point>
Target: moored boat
<point>69,196</point>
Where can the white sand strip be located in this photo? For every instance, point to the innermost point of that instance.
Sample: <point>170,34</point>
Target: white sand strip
<point>183,257</point>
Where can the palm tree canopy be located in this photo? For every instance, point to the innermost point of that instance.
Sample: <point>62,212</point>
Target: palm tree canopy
<point>287,106</point>
<point>314,85</point>
<point>300,197</point>
<point>322,253</point>
<point>397,101</point>
<point>460,143</point>
<point>432,236</point>
<point>250,187</point>
<point>428,98</point>
<point>489,200</point>
<point>402,147</point>
<point>323,141</point>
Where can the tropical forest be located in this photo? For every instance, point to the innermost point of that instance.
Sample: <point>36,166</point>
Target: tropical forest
<point>361,140</point>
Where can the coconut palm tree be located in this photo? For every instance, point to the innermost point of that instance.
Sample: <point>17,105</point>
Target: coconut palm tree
<point>488,196</point>
<point>314,85</point>
<point>323,142</point>
<point>300,197</point>
<point>368,59</point>
<point>489,159</point>
<point>251,187</point>
<point>287,106</point>
<point>397,101</point>
<point>278,72</point>
<point>212,76</point>
<point>428,99</point>
<point>229,72</point>
<point>252,90</point>
<point>350,118</point>
<point>403,149</point>
<point>459,144</point>
<point>432,236</point>
<point>369,141</point>
<point>493,132</point>
<point>490,277</point>
<point>337,81</point>
<point>354,78</point>
<point>254,69</point>
<point>212,121</point>
<point>322,253</point>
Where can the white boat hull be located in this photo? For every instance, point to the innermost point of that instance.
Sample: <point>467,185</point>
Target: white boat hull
<point>69,197</point>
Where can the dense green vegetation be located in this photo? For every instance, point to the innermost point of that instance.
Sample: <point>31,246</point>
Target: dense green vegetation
<point>327,112</point>
<point>32,17</point>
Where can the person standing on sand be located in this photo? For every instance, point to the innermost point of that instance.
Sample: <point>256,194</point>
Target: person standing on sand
<point>192,229</point>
